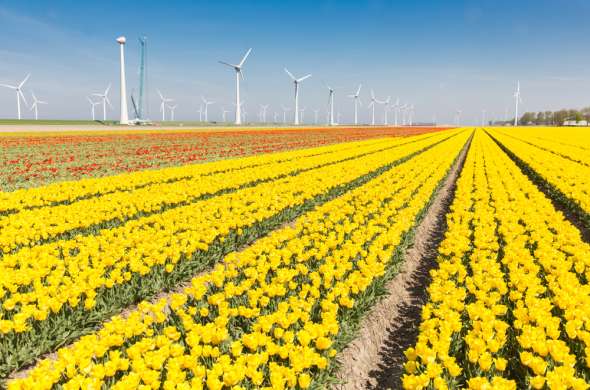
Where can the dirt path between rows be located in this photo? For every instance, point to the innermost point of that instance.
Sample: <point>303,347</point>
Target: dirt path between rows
<point>374,360</point>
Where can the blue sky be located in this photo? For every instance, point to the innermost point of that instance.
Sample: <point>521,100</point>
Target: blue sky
<point>437,55</point>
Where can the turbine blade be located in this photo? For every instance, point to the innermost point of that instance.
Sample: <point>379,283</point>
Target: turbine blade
<point>8,86</point>
<point>290,74</point>
<point>106,92</point>
<point>108,101</point>
<point>160,93</point>
<point>24,81</point>
<point>358,91</point>
<point>244,58</point>
<point>23,96</point>
<point>372,94</point>
<point>304,77</point>
<point>228,64</point>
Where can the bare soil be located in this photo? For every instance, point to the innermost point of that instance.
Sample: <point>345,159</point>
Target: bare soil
<point>374,360</point>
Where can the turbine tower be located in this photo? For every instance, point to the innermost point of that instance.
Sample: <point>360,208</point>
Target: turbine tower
<point>372,105</point>
<point>172,108</point>
<point>357,101</point>
<point>92,105</point>
<point>396,107</point>
<point>315,116</point>
<point>385,108</point>
<point>19,93</point>
<point>35,105</point>
<point>285,109</point>
<point>200,113</point>
<point>263,108</point>
<point>105,99</point>
<point>163,101</point>
<point>223,114</point>
<point>296,81</point>
<point>517,100</point>
<point>207,103</point>
<point>331,104</point>
<point>124,114</point>
<point>238,69</point>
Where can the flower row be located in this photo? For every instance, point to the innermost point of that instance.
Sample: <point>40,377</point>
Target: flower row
<point>68,283</point>
<point>569,177</point>
<point>270,316</point>
<point>31,226</point>
<point>509,303</point>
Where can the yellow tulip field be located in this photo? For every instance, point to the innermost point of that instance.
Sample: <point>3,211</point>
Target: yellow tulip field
<point>258,271</point>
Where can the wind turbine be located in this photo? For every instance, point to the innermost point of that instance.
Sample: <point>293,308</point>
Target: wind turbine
<point>238,69</point>
<point>124,120</point>
<point>331,103</point>
<point>92,105</point>
<point>105,99</point>
<point>396,108</point>
<point>355,96</point>
<point>296,81</point>
<point>302,114</point>
<point>223,114</point>
<point>200,111</point>
<point>315,116</point>
<point>263,108</point>
<point>163,101</point>
<point>19,93</point>
<point>483,117</point>
<point>285,109</point>
<point>207,102</point>
<point>385,109</point>
<point>458,117</point>
<point>172,108</point>
<point>372,105</point>
<point>275,117</point>
<point>35,105</point>
<point>411,114</point>
<point>517,100</point>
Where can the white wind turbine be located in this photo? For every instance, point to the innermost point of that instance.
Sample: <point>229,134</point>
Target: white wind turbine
<point>302,111</point>
<point>372,106</point>
<point>315,116</point>
<point>200,111</point>
<point>92,105</point>
<point>355,96</point>
<point>296,81</point>
<point>458,117</point>
<point>207,103</point>
<point>172,108</point>
<point>263,108</point>
<point>396,107</point>
<point>19,93</point>
<point>285,109</point>
<point>411,114</point>
<point>385,110</point>
<point>105,99</point>
<point>163,101</point>
<point>275,117</point>
<point>483,117</point>
<point>517,99</point>
<point>35,105</point>
<point>223,114</point>
<point>331,106</point>
<point>238,69</point>
<point>403,111</point>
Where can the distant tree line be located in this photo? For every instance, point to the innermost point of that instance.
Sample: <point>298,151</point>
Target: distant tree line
<point>552,118</point>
